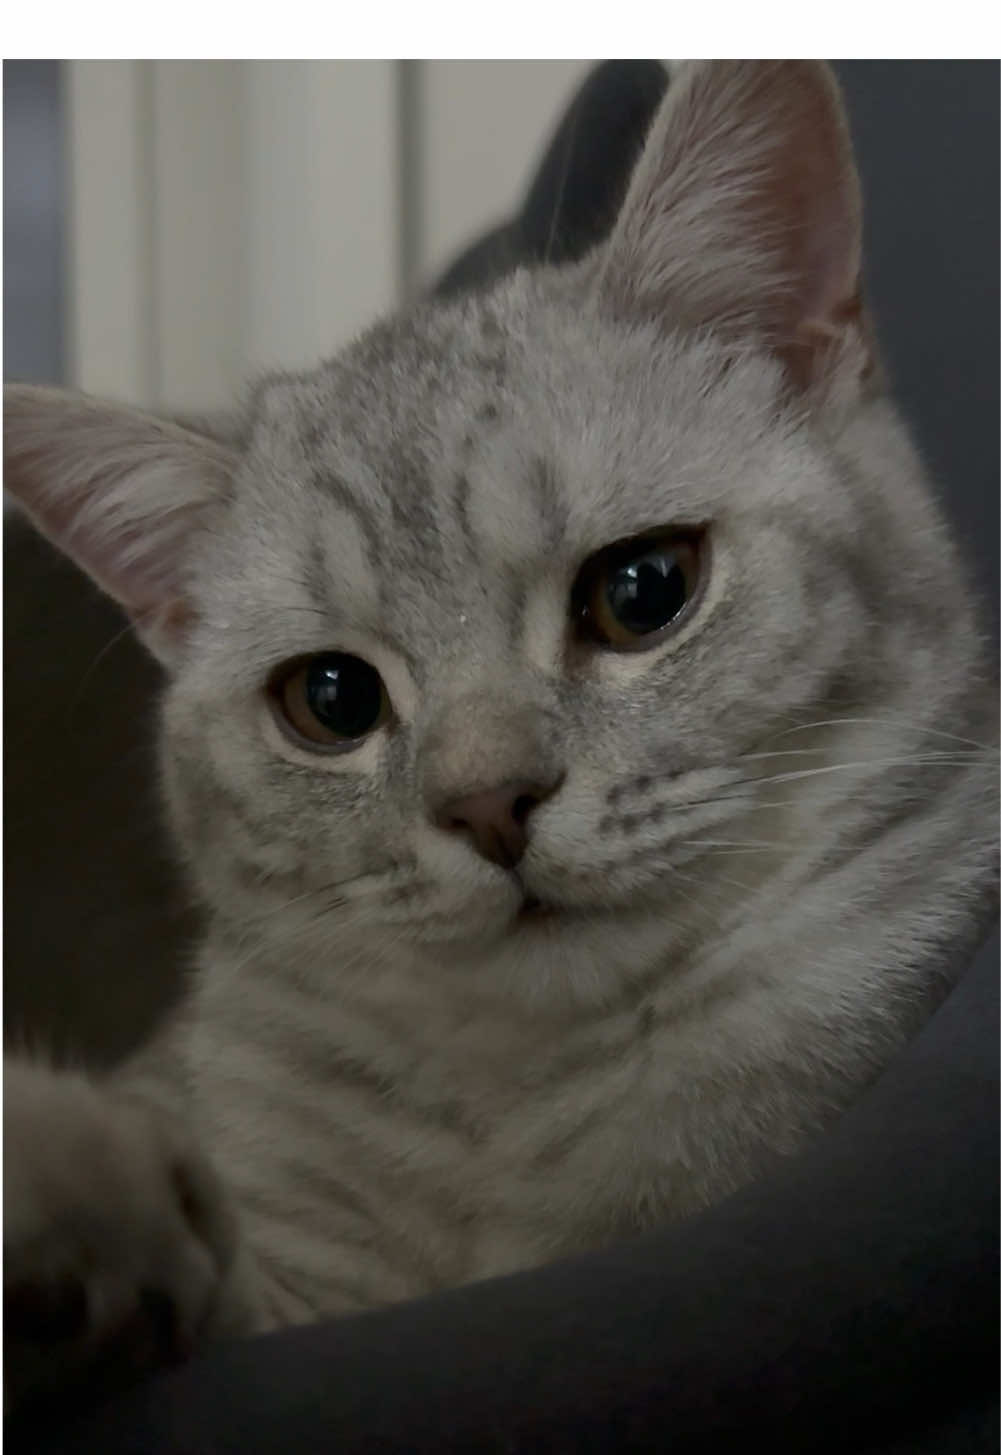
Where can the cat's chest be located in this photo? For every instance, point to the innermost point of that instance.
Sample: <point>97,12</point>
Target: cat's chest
<point>498,1143</point>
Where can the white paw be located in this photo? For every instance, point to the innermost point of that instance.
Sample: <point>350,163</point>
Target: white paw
<point>117,1238</point>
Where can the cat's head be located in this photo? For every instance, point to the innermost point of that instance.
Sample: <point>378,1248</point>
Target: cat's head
<point>482,636</point>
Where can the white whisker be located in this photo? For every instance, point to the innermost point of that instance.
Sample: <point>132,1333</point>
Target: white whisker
<point>362,887</point>
<point>864,764</point>
<point>895,725</point>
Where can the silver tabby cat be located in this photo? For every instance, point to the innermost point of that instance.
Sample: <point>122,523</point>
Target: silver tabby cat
<point>578,730</point>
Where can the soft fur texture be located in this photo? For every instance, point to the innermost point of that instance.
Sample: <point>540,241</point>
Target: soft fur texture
<point>768,827</point>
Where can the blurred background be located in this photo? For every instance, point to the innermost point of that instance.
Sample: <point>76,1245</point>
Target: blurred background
<point>171,228</point>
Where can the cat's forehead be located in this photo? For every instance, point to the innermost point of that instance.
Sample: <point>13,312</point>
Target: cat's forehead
<point>401,385</point>
<point>509,428</point>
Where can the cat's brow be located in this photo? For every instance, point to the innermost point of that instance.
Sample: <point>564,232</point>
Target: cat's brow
<point>340,495</point>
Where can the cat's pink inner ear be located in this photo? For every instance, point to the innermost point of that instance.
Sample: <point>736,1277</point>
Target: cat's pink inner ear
<point>744,213</point>
<point>120,492</point>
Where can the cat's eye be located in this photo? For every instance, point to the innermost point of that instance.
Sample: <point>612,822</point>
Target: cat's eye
<point>628,595</point>
<point>333,700</point>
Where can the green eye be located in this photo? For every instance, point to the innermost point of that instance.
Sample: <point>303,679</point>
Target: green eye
<point>629,594</point>
<point>333,700</point>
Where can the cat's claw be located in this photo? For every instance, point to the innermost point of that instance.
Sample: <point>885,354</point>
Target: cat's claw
<point>117,1238</point>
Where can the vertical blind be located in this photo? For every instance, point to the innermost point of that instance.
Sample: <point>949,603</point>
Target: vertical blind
<point>226,217</point>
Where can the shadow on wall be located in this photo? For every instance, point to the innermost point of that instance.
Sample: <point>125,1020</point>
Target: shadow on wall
<point>95,926</point>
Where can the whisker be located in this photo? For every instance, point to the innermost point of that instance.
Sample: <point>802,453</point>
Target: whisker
<point>127,630</point>
<point>931,755</point>
<point>725,795</point>
<point>740,843</point>
<point>363,953</point>
<point>785,753</point>
<point>896,724</point>
<point>718,879</point>
<point>866,763</point>
<point>699,912</point>
<point>334,889</point>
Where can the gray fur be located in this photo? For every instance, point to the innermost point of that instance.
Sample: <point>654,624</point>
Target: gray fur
<point>773,829</point>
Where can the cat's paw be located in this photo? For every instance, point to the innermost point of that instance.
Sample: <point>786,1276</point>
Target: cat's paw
<point>117,1238</point>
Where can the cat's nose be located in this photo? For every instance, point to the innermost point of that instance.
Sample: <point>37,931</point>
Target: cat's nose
<point>496,819</point>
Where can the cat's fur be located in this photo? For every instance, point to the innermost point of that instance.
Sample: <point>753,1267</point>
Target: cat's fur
<point>772,830</point>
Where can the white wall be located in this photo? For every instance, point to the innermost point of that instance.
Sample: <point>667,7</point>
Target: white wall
<point>111,333</point>
<point>321,206</point>
<point>228,216</point>
<point>485,123</point>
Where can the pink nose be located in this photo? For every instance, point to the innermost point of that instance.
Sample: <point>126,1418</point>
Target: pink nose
<point>496,820</point>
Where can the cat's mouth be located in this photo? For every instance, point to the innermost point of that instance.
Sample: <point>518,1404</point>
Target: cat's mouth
<point>532,910</point>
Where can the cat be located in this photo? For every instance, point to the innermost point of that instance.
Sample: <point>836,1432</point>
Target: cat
<point>578,731</point>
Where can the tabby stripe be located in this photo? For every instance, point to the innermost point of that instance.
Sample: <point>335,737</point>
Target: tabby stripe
<point>359,510</point>
<point>329,1292</point>
<point>304,1049</point>
<point>461,507</point>
<point>335,1250</point>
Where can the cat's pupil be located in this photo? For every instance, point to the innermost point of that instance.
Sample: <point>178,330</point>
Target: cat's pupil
<point>644,594</point>
<point>344,694</point>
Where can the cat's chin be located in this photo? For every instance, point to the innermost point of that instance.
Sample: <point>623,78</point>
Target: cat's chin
<point>534,911</point>
<point>545,919</point>
<point>531,919</point>
<point>547,954</point>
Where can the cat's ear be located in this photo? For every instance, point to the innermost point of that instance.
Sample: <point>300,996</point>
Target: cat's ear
<point>119,491</point>
<point>744,215</point>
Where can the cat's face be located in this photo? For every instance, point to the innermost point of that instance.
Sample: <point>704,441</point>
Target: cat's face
<point>495,633</point>
<point>436,504</point>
